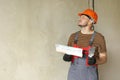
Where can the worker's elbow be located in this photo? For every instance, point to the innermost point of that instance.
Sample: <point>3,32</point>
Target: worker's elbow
<point>104,59</point>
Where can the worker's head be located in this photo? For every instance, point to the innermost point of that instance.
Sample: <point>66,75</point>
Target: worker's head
<point>92,15</point>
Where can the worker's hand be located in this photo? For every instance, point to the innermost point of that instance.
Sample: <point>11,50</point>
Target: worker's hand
<point>91,60</point>
<point>67,57</point>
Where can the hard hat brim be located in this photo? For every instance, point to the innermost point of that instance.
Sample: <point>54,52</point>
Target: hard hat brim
<point>79,14</point>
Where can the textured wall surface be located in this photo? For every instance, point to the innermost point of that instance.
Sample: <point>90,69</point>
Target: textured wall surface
<point>29,30</point>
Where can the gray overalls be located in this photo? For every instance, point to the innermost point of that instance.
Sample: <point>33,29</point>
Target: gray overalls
<point>79,70</point>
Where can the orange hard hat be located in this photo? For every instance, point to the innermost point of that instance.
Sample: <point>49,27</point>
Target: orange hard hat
<point>92,14</point>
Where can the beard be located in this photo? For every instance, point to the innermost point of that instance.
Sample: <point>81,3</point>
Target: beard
<point>84,25</point>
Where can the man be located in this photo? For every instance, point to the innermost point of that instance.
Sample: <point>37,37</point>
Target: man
<point>92,42</point>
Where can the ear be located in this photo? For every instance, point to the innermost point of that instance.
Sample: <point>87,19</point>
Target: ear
<point>92,21</point>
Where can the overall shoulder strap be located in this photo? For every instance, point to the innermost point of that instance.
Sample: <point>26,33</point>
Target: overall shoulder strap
<point>91,40</point>
<point>76,37</point>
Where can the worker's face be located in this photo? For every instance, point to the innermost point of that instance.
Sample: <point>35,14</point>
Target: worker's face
<point>83,21</point>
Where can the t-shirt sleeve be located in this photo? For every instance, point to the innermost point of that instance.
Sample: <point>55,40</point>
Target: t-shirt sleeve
<point>70,40</point>
<point>102,45</point>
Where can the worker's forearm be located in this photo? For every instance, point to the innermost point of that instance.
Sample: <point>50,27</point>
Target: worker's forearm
<point>102,59</point>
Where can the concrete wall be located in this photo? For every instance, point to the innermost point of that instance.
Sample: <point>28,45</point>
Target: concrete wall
<point>29,29</point>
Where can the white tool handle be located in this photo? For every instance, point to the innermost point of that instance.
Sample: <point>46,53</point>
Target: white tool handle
<point>69,50</point>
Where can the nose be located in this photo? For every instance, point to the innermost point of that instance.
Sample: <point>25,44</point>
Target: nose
<point>79,20</point>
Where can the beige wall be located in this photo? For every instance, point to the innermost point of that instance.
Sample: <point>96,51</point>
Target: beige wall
<point>109,25</point>
<point>29,29</point>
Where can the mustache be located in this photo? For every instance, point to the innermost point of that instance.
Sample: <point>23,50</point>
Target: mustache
<point>83,25</point>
